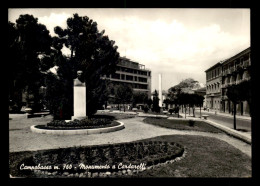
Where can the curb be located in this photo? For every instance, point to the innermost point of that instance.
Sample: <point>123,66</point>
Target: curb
<point>117,112</point>
<point>230,116</point>
<point>230,131</point>
<point>227,130</point>
<point>153,115</point>
<point>78,131</point>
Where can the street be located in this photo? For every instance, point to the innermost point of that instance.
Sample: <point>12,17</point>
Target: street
<point>227,121</point>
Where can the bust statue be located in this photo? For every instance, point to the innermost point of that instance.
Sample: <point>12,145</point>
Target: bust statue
<point>79,80</point>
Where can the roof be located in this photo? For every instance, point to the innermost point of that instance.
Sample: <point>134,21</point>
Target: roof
<point>238,54</point>
<point>214,66</point>
<point>203,89</point>
<point>229,59</point>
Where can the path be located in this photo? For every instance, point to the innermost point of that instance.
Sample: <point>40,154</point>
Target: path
<point>22,139</point>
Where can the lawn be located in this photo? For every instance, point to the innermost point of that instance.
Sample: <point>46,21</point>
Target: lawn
<point>182,125</point>
<point>206,157</point>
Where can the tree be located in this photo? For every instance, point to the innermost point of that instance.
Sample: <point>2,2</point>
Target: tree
<point>149,102</point>
<point>92,52</point>
<point>245,95</point>
<point>123,94</point>
<point>185,85</point>
<point>139,97</point>
<point>183,99</point>
<point>29,47</point>
<point>156,107</point>
<point>238,93</point>
<point>167,101</point>
<point>199,101</point>
<point>233,95</point>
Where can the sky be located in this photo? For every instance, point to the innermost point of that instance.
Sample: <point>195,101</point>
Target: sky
<point>178,43</point>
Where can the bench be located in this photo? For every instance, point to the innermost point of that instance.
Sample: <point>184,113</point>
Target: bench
<point>134,109</point>
<point>165,112</point>
<point>205,116</point>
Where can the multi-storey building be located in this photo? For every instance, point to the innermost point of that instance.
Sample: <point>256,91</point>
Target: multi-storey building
<point>213,87</point>
<point>231,71</point>
<point>134,74</point>
<point>235,70</point>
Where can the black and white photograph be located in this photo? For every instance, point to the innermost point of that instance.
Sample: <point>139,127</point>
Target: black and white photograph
<point>129,93</point>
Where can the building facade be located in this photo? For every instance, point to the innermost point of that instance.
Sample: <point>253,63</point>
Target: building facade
<point>213,87</point>
<point>231,71</point>
<point>234,71</point>
<point>133,74</point>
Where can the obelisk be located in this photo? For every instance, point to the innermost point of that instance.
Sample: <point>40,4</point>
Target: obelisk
<point>160,90</point>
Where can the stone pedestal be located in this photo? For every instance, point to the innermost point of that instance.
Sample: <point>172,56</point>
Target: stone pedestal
<point>79,105</point>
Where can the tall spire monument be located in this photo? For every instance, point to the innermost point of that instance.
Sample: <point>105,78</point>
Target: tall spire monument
<point>160,90</point>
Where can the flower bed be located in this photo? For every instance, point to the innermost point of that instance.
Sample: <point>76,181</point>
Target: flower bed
<point>96,121</point>
<point>98,161</point>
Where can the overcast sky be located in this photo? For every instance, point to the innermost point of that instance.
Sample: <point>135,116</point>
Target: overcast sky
<point>178,43</point>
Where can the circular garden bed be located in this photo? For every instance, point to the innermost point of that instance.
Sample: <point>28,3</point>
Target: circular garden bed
<point>96,121</point>
<point>95,124</point>
<point>97,161</point>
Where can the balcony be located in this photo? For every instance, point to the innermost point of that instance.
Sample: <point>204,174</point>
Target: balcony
<point>238,67</point>
<point>238,81</point>
<point>225,85</point>
<point>128,81</point>
<point>228,71</point>
<point>224,97</point>
<point>224,73</point>
<point>246,64</point>
<point>232,69</point>
<point>245,79</point>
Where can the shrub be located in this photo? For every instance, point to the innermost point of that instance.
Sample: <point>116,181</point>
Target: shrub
<point>132,152</point>
<point>191,123</point>
<point>146,109</point>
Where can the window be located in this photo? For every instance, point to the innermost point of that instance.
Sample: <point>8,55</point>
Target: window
<point>129,78</point>
<point>115,76</point>
<point>142,79</point>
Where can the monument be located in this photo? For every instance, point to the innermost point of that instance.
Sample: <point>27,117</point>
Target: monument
<point>79,97</point>
<point>160,90</point>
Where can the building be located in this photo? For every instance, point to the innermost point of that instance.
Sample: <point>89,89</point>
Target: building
<point>231,71</point>
<point>133,74</point>
<point>213,87</point>
<point>234,71</point>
